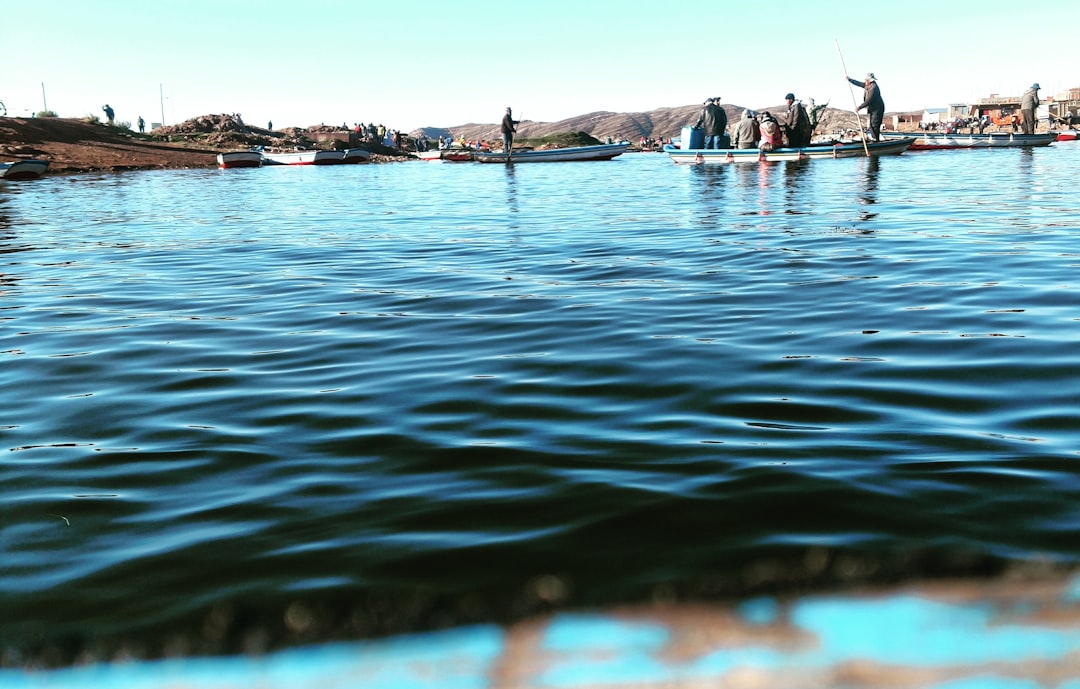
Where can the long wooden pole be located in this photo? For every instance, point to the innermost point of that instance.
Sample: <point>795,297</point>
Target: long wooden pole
<point>854,103</point>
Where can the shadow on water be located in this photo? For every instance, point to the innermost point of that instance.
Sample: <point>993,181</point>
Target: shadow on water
<point>512,196</point>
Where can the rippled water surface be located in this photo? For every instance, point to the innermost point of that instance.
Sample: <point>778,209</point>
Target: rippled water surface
<point>363,389</point>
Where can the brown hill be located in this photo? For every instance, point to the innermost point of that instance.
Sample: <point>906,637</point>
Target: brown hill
<point>663,123</point>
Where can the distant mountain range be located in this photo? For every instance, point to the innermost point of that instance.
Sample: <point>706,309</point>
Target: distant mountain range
<point>660,123</point>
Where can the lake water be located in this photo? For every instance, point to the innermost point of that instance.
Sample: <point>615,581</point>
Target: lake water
<point>245,409</point>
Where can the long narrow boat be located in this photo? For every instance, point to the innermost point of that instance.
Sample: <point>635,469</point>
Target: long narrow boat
<point>231,159</point>
<point>1067,135</point>
<point>737,155</point>
<point>355,155</point>
<point>929,141</point>
<point>28,168</point>
<point>304,158</point>
<point>553,155</point>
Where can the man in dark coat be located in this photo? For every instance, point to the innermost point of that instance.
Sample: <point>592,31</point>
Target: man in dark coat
<point>875,106</point>
<point>796,123</point>
<point>509,126</point>
<point>713,123</point>
<point>1029,103</point>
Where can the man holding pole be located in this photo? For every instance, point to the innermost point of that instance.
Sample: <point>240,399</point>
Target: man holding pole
<point>875,106</point>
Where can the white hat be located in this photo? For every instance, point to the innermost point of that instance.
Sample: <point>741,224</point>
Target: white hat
<point>870,76</point>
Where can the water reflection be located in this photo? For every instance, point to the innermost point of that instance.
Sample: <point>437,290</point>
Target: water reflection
<point>795,175</point>
<point>512,195</point>
<point>869,191</point>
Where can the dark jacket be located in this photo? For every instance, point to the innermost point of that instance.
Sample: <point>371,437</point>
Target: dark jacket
<point>508,124</point>
<point>871,96</point>
<point>713,120</point>
<point>798,125</point>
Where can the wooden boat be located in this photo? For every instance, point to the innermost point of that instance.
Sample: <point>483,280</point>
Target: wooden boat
<point>356,155</point>
<point>450,155</point>
<point>231,159</point>
<point>28,168</point>
<point>929,141</point>
<point>752,155</point>
<point>304,158</point>
<point>1067,135</point>
<point>553,155</point>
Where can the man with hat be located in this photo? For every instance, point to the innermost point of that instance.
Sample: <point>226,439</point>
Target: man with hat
<point>1029,102</point>
<point>796,124</point>
<point>713,123</point>
<point>875,106</point>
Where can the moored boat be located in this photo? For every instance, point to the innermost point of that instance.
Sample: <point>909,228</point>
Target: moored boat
<point>303,158</point>
<point>929,141</point>
<point>1069,135</point>
<point>28,168</point>
<point>231,159</point>
<point>355,155</point>
<point>552,155</point>
<point>828,150</point>
<point>450,155</point>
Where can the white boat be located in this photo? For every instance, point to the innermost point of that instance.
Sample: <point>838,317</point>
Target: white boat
<point>450,155</point>
<point>553,155</point>
<point>233,159</point>
<point>856,149</point>
<point>303,158</point>
<point>28,168</point>
<point>929,141</point>
<point>356,155</point>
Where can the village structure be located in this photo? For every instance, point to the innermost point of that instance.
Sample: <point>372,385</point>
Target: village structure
<point>1000,109</point>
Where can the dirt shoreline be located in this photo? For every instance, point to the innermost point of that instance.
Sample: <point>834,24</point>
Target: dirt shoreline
<point>75,145</point>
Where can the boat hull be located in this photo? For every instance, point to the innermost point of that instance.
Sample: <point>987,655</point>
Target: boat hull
<point>934,142</point>
<point>304,158</point>
<point>1067,136</point>
<point>239,159</point>
<point>701,156</point>
<point>456,155</point>
<point>553,155</point>
<point>353,156</point>
<point>23,169</point>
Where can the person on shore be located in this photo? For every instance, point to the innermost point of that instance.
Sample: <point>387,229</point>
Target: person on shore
<point>142,125</point>
<point>872,101</point>
<point>108,112</point>
<point>771,136</point>
<point>796,124</point>
<point>1029,102</point>
<point>747,133</point>
<point>713,123</point>
<point>509,128</point>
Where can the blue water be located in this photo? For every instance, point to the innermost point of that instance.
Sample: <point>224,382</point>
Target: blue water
<point>248,408</point>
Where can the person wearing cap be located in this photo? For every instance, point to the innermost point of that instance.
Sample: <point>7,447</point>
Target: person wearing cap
<point>875,106</point>
<point>1029,102</point>
<point>796,124</point>
<point>747,133</point>
<point>509,126</point>
<point>712,122</point>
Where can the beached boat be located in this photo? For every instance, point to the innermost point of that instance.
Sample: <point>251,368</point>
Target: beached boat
<point>553,155</point>
<point>929,141</point>
<point>231,159</point>
<point>827,150</point>
<point>28,168</point>
<point>450,155</point>
<point>303,158</point>
<point>356,155</point>
<point>1069,135</point>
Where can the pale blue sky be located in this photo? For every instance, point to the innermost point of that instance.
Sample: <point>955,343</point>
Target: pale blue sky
<point>413,63</point>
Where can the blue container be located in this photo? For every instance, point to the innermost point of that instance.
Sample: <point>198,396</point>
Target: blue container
<point>692,137</point>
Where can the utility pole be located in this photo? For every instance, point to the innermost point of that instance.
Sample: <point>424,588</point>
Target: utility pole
<point>44,105</point>
<point>161,95</point>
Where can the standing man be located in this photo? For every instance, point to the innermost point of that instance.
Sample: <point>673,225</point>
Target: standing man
<point>797,126</point>
<point>713,123</point>
<point>1029,102</point>
<point>875,106</point>
<point>509,127</point>
<point>142,125</point>
<point>108,112</point>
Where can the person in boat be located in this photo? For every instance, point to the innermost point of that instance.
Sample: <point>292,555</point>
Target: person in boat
<point>747,132</point>
<point>771,136</point>
<point>872,101</point>
<point>509,128</point>
<point>796,125</point>
<point>1029,102</point>
<point>713,123</point>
